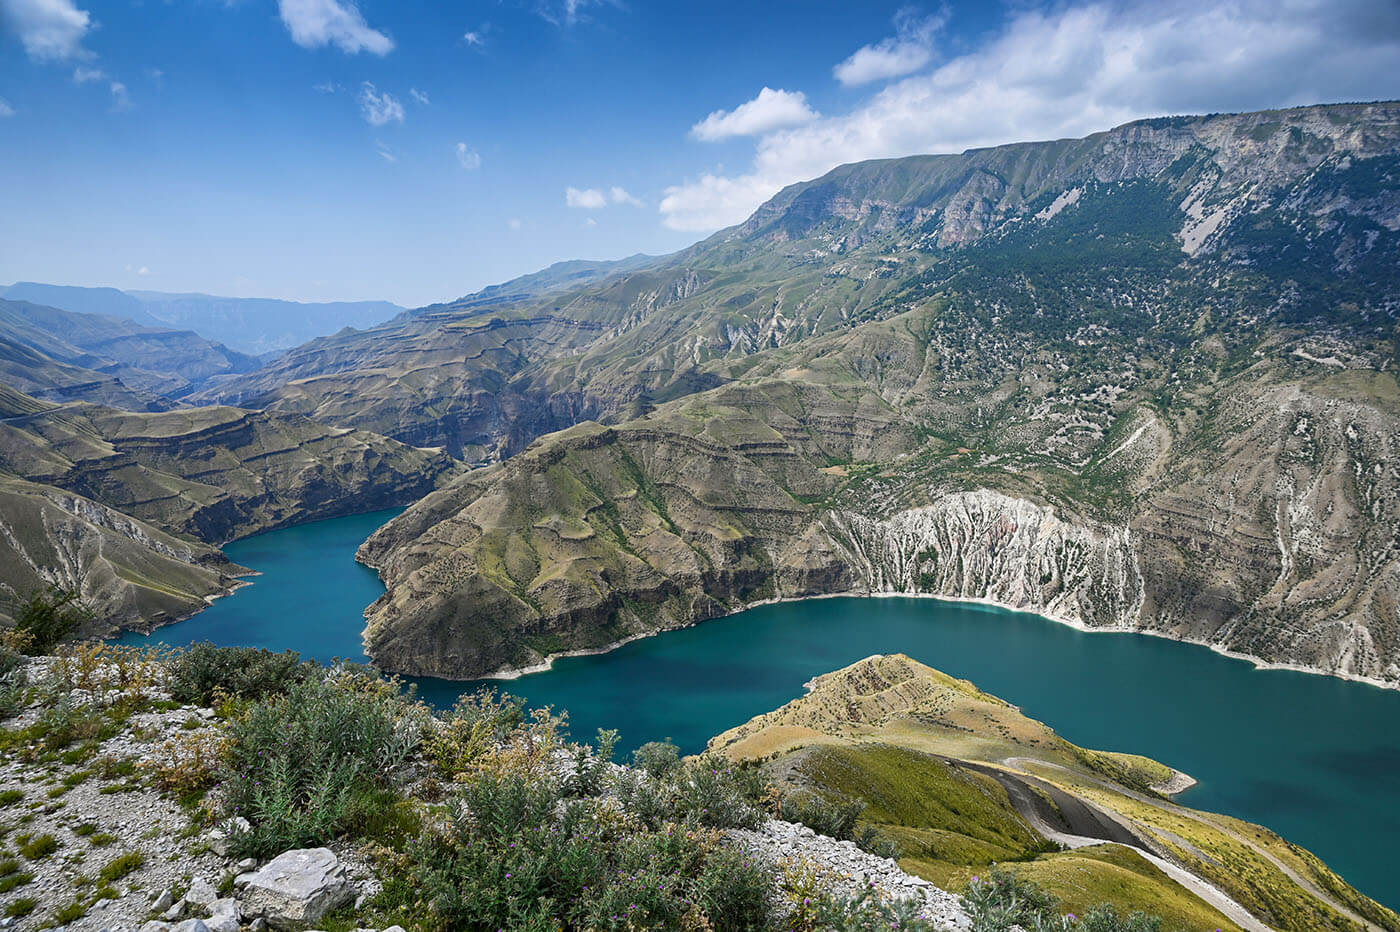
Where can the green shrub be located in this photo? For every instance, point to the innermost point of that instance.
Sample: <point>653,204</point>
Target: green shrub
<point>120,866</point>
<point>201,673</point>
<point>835,820</point>
<point>71,912</point>
<point>47,616</point>
<point>708,792</point>
<point>1106,918</point>
<point>313,764</point>
<point>36,849</point>
<point>518,854</point>
<point>10,881</point>
<point>10,797</point>
<point>1001,900</point>
<point>591,766</point>
<point>866,912</point>
<point>21,907</point>
<point>658,759</point>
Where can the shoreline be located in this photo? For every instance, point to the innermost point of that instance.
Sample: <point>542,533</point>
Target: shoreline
<point>1178,783</point>
<point>1258,663</point>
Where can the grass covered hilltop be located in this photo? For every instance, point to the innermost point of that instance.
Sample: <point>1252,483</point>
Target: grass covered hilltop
<point>222,789</point>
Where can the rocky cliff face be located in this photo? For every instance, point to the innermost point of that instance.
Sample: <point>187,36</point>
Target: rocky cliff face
<point>986,545</point>
<point>215,474</point>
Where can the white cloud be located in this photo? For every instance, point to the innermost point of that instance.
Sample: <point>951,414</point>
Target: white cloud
<point>475,37</point>
<point>379,108</point>
<point>514,223</point>
<point>385,152</point>
<point>597,198</point>
<point>419,96</point>
<point>620,196</point>
<point>468,157</point>
<point>50,30</point>
<point>768,111</point>
<point>120,99</point>
<point>314,23</point>
<point>568,12</point>
<point>1075,70</point>
<point>907,51</point>
<point>588,198</point>
<point>6,110</point>
<point>590,222</point>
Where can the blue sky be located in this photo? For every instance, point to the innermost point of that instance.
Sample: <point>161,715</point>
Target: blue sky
<point>415,151</point>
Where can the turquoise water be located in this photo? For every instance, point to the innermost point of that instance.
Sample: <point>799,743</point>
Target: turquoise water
<point>1314,758</point>
<point>310,597</point>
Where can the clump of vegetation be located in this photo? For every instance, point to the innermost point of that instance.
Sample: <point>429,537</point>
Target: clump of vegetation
<point>187,766</point>
<point>120,866</point>
<point>45,617</point>
<point>205,674</point>
<point>519,853</point>
<point>37,848</point>
<point>21,907</point>
<point>1001,901</point>
<point>315,763</point>
<point>837,820</point>
<point>657,759</point>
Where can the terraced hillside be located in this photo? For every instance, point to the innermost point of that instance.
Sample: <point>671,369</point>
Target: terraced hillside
<point>1141,380</point>
<point>127,504</point>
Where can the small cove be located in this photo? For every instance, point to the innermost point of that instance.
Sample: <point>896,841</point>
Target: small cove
<point>1315,758</point>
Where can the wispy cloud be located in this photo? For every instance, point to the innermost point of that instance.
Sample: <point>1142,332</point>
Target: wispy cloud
<point>476,38</point>
<point>768,111</point>
<point>587,199</point>
<point>468,157</point>
<point>316,23</point>
<point>385,152</point>
<point>121,100</point>
<point>6,110</point>
<point>419,96</point>
<point>50,30</point>
<point>597,198</point>
<point>379,108</point>
<point>569,12</point>
<point>910,49</point>
<point>1070,71</point>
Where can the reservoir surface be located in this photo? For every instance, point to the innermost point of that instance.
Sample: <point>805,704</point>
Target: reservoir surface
<point>1315,758</point>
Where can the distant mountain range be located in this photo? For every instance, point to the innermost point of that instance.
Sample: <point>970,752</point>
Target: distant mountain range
<point>256,326</point>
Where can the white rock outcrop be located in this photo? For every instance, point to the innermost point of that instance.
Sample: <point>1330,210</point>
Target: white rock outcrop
<point>296,888</point>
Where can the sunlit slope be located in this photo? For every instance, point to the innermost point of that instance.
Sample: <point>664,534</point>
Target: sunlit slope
<point>962,780</point>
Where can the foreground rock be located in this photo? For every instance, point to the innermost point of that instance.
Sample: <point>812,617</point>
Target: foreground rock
<point>297,888</point>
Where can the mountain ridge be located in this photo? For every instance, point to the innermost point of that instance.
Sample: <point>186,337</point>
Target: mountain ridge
<point>1251,364</point>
